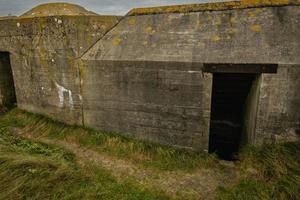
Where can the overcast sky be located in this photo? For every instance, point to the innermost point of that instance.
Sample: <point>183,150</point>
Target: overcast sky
<point>104,7</point>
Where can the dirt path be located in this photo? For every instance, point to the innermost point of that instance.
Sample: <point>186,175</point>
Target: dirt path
<point>200,184</point>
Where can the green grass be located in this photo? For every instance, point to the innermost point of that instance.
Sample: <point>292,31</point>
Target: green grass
<point>267,172</point>
<point>33,170</point>
<point>143,153</point>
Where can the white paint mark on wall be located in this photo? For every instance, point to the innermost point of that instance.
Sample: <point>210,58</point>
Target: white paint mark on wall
<point>193,72</point>
<point>61,91</point>
<point>18,24</point>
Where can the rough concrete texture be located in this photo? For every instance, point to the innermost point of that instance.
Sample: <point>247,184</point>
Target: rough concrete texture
<point>44,53</point>
<point>279,105</point>
<point>159,101</point>
<point>142,75</point>
<point>257,35</point>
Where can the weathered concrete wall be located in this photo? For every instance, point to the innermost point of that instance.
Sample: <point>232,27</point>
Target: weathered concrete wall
<point>144,77</point>
<point>250,112</point>
<point>166,102</point>
<point>256,35</point>
<point>43,56</point>
<point>279,104</point>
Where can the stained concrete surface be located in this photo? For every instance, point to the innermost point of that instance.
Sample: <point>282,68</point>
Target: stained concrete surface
<point>142,75</point>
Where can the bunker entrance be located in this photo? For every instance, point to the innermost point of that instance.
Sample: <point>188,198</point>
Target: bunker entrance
<point>229,104</point>
<point>235,94</point>
<point>7,88</point>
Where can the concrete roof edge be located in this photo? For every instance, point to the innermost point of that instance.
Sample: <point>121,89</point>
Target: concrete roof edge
<point>220,6</point>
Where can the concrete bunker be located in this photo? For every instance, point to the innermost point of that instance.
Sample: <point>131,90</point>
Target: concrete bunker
<point>141,75</point>
<point>7,88</point>
<point>235,92</point>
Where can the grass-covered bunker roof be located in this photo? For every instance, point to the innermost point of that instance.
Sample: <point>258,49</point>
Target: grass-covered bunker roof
<point>211,6</point>
<point>58,9</point>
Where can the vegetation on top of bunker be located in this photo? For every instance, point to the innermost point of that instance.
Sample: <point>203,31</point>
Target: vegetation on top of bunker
<point>58,9</point>
<point>186,8</point>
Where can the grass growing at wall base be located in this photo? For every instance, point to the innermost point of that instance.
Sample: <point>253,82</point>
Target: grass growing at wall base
<point>34,170</point>
<point>146,154</point>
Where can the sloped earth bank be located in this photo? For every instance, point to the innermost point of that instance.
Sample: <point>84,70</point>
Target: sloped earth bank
<point>165,172</point>
<point>199,182</point>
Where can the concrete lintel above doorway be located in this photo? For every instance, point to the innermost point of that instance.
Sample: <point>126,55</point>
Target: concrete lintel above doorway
<point>240,68</point>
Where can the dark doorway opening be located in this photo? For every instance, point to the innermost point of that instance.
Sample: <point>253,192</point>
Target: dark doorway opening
<point>7,88</point>
<point>229,97</point>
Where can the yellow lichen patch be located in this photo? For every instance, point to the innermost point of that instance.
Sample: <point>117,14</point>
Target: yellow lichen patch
<point>211,6</point>
<point>255,12</point>
<point>251,14</point>
<point>218,22</point>
<point>117,41</point>
<point>216,38</point>
<point>132,21</point>
<point>233,20</point>
<point>259,10</point>
<point>150,30</point>
<point>231,31</point>
<point>264,2</point>
<point>255,28</point>
<point>145,42</point>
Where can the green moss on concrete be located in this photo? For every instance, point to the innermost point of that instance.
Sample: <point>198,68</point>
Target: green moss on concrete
<point>211,6</point>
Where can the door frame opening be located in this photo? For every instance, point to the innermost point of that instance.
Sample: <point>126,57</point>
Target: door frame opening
<point>249,108</point>
<point>7,85</point>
